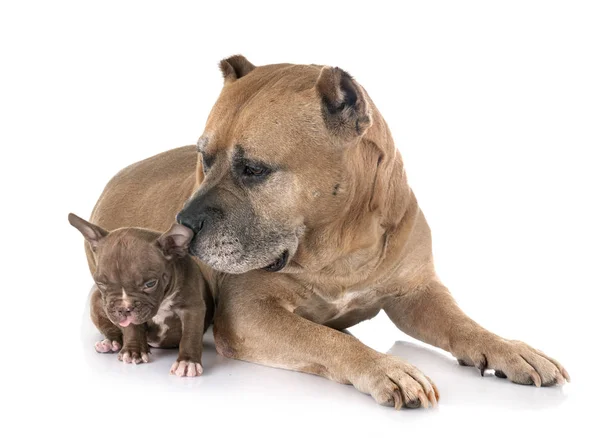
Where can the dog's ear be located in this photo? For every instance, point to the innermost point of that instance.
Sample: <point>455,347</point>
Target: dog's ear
<point>92,233</point>
<point>235,67</point>
<point>176,241</point>
<point>344,103</point>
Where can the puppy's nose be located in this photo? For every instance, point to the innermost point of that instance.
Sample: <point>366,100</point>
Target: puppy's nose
<point>125,311</point>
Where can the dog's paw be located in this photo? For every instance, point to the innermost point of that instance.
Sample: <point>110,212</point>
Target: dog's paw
<point>133,355</point>
<point>393,382</point>
<point>184,368</point>
<point>516,361</point>
<point>107,346</point>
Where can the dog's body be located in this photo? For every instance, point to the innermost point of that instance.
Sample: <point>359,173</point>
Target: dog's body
<point>298,173</point>
<point>148,292</point>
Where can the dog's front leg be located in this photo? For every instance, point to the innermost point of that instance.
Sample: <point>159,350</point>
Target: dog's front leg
<point>430,314</point>
<point>135,345</point>
<point>256,325</point>
<point>189,362</point>
<point>113,335</point>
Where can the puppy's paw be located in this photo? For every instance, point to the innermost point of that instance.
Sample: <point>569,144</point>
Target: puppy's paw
<point>184,368</point>
<point>393,382</point>
<point>133,355</point>
<point>107,346</point>
<point>516,361</point>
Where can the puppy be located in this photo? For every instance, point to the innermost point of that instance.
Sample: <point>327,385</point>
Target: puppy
<point>148,292</point>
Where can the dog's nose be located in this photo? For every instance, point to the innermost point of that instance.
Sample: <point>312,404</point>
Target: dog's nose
<point>194,224</point>
<point>200,212</point>
<point>125,311</point>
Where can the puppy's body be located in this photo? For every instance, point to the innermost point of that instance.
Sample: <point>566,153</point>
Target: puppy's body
<point>298,173</point>
<point>148,292</point>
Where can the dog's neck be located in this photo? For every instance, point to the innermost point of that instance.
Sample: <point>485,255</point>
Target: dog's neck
<point>349,249</point>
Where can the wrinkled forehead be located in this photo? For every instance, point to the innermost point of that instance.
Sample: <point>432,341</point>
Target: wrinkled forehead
<point>127,259</point>
<point>272,108</point>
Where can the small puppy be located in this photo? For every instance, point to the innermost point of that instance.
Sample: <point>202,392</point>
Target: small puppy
<point>148,291</point>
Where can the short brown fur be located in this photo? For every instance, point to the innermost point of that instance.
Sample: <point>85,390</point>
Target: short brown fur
<point>365,248</point>
<point>148,291</point>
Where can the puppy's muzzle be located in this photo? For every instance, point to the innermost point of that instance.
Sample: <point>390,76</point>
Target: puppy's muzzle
<point>124,311</point>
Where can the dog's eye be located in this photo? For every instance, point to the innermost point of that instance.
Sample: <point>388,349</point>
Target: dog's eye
<point>254,170</point>
<point>250,171</point>
<point>150,284</point>
<point>207,161</point>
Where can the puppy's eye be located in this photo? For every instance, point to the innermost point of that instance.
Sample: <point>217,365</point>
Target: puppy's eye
<point>150,284</point>
<point>254,170</point>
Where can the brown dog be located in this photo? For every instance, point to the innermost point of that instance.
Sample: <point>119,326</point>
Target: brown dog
<point>148,291</point>
<point>299,188</point>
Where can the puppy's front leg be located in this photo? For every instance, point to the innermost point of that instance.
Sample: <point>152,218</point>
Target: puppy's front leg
<point>430,314</point>
<point>113,334</point>
<point>189,361</point>
<point>135,345</point>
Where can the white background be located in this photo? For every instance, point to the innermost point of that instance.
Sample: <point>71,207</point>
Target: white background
<point>495,107</point>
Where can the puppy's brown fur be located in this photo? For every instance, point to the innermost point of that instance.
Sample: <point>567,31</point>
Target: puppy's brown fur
<point>147,291</point>
<point>298,173</point>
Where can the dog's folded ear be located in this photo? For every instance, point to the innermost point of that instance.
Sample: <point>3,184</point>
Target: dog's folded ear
<point>235,67</point>
<point>92,233</point>
<point>344,102</point>
<point>176,241</point>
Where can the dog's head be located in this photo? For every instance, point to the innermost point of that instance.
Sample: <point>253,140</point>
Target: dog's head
<point>278,161</point>
<point>134,267</point>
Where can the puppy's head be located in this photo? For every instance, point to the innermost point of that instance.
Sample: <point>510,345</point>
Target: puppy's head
<point>277,155</point>
<point>134,267</point>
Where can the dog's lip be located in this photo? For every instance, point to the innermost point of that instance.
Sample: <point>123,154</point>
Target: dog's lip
<point>278,264</point>
<point>132,320</point>
<point>124,322</point>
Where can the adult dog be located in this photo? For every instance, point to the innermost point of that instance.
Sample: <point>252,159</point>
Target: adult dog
<point>304,225</point>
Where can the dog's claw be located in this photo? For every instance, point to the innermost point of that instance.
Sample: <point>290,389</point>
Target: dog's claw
<point>483,365</point>
<point>397,399</point>
<point>433,395</point>
<point>107,346</point>
<point>186,368</point>
<point>132,356</point>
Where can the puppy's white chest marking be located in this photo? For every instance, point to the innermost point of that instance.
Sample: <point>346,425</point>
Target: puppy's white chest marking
<point>164,311</point>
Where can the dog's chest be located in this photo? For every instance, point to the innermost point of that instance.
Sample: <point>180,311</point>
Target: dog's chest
<point>324,309</point>
<point>164,329</point>
<point>349,301</point>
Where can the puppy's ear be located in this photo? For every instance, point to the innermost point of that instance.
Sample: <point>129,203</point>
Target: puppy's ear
<point>92,233</point>
<point>235,67</point>
<point>176,241</point>
<point>344,103</point>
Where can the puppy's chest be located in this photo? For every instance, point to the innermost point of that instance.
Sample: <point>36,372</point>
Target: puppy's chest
<point>164,329</point>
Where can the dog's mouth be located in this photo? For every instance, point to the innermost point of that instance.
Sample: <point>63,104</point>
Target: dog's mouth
<point>278,264</point>
<point>135,318</point>
<point>124,321</point>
